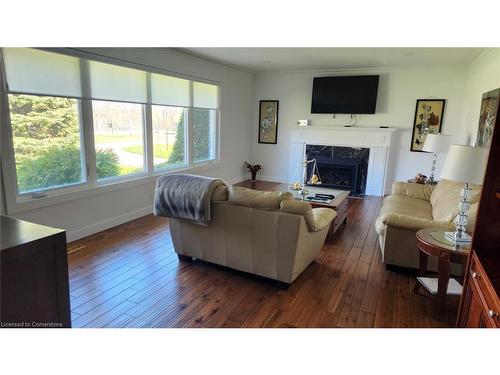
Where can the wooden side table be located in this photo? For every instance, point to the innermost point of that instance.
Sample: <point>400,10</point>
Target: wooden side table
<point>431,242</point>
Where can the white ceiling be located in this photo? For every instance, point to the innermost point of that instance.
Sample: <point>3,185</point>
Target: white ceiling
<point>290,59</point>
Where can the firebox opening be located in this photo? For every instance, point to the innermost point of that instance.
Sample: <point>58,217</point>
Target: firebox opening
<point>341,168</point>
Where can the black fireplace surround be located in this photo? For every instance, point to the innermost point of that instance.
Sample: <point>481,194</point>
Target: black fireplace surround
<point>341,168</point>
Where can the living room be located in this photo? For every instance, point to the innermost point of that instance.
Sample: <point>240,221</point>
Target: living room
<point>230,185</point>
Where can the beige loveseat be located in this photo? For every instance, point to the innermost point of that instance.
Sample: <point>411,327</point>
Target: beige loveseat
<point>269,234</point>
<point>412,207</point>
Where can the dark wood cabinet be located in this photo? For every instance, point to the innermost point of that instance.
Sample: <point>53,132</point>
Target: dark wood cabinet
<point>480,305</point>
<point>476,317</point>
<point>34,287</point>
<point>479,301</point>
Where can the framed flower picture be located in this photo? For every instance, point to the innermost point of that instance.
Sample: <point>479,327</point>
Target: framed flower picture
<point>428,119</point>
<point>268,121</point>
<point>487,116</point>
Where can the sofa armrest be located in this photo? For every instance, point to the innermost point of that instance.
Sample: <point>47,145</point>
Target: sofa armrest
<point>414,223</point>
<point>323,217</point>
<point>413,190</point>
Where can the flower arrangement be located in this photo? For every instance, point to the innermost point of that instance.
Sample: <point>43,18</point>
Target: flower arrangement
<point>253,170</point>
<point>420,178</point>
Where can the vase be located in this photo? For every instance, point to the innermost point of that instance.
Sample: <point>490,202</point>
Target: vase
<point>254,175</point>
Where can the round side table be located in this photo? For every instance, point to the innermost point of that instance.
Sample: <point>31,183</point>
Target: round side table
<point>431,242</point>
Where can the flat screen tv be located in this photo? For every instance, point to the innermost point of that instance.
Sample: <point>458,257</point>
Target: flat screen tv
<point>352,95</point>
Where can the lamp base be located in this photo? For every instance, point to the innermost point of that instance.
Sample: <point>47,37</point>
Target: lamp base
<point>452,237</point>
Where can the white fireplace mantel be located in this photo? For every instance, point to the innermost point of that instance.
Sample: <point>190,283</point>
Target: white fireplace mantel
<point>378,140</point>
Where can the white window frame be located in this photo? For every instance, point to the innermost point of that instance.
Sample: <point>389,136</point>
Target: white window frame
<point>16,202</point>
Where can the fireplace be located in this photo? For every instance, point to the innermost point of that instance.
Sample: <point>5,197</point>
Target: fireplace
<point>341,168</point>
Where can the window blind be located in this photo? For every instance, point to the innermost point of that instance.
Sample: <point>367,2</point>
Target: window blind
<point>205,95</point>
<point>32,71</point>
<point>117,83</point>
<point>170,91</point>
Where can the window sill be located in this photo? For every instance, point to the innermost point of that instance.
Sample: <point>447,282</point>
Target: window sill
<point>86,190</point>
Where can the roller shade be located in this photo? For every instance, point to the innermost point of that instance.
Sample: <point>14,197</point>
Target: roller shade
<point>113,82</point>
<point>205,95</point>
<point>169,90</point>
<point>32,71</point>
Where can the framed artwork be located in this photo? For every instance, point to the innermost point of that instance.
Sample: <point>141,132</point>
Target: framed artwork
<point>268,121</point>
<point>487,117</point>
<point>428,119</point>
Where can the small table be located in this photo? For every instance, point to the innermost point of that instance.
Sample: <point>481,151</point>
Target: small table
<point>431,242</point>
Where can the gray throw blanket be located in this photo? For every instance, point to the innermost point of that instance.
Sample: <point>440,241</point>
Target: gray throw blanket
<point>185,196</point>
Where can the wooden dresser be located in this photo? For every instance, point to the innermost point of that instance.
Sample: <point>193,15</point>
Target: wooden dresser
<point>34,287</point>
<point>480,305</point>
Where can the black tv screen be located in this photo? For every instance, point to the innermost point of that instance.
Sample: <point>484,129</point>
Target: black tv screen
<point>352,95</point>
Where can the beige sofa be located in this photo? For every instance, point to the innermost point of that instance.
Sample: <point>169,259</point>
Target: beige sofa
<point>269,234</point>
<point>412,207</point>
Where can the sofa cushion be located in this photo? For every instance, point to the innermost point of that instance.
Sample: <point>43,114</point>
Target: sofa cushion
<point>403,205</point>
<point>267,200</point>
<point>399,204</point>
<point>412,190</point>
<point>445,197</point>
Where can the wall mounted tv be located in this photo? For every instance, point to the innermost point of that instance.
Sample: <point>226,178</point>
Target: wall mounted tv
<point>352,95</point>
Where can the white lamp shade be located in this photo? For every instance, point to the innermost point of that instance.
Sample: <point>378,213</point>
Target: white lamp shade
<point>438,143</point>
<point>465,164</point>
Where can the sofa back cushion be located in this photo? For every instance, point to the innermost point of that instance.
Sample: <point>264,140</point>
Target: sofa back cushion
<point>445,197</point>
<point>293,206</point>
<point>413,190</point>
<point>265,200</point>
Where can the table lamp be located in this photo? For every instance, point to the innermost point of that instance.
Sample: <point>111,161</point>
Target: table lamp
<point>465,164</point>
<point>438,144</point>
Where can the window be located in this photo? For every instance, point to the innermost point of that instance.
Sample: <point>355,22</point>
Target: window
<point>203,134</point>
<point>118,138</point>
<point>75,121</point>
<point>47,143</point>
<point>46,128</point>
<point>169,137</point>
<point>205,98</point>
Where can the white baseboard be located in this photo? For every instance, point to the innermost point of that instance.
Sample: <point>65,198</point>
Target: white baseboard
<point>108,223</point>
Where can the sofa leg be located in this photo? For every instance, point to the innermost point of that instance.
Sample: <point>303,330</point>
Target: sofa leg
<point>281,284</point>
<point>185,258</point>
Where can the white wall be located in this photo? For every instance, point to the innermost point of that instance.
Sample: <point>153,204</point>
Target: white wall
<point>398,91</point>
<point>483,75</point>
<point>92,214</point>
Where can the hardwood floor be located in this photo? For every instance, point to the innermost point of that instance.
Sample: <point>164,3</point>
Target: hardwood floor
<point>129,276</point>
